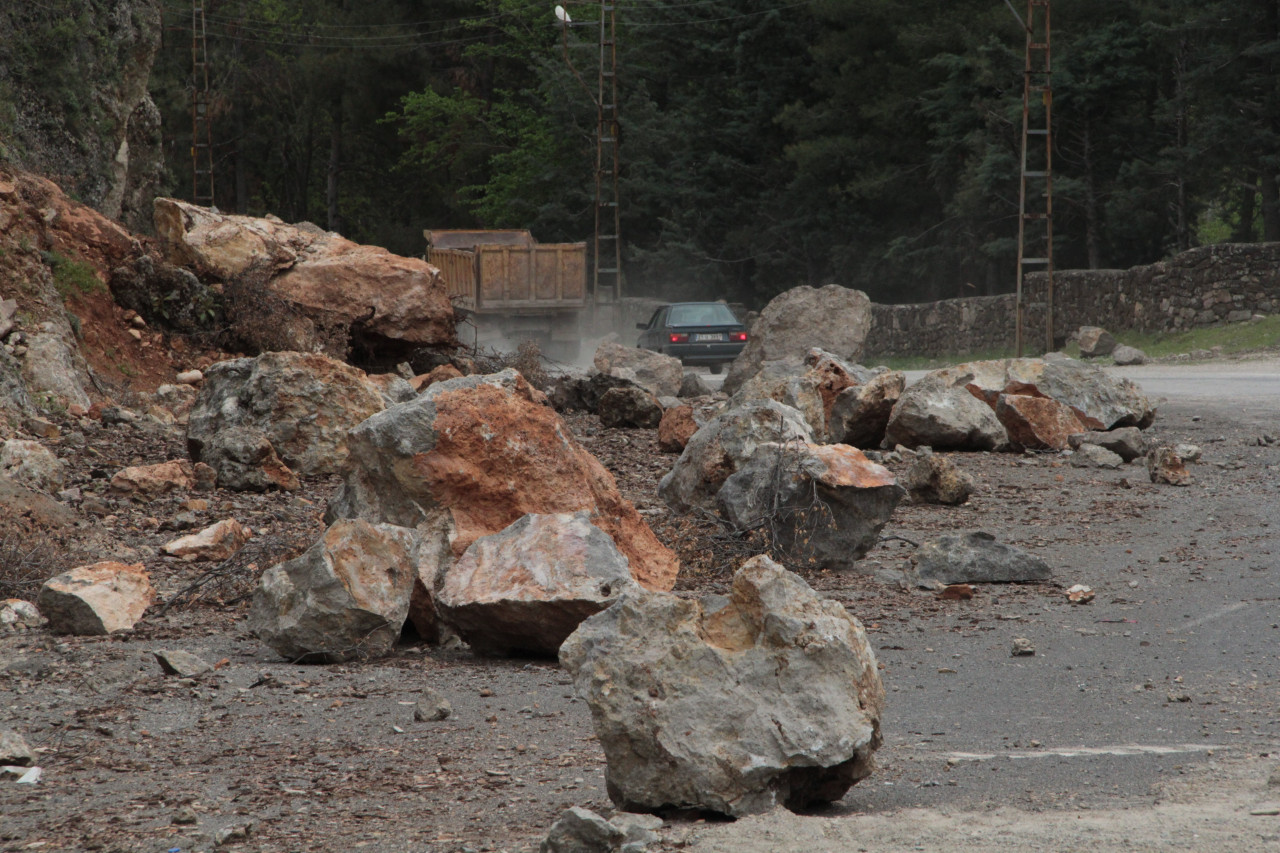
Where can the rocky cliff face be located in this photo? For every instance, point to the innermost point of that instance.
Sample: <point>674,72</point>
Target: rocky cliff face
<point>74,103</point>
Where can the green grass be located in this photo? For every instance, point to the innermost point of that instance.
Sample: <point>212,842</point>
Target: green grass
<point>70,275</point>
<point>1233,338</point>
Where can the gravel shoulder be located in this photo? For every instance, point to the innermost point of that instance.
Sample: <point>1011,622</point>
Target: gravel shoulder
<point>1170,677</point>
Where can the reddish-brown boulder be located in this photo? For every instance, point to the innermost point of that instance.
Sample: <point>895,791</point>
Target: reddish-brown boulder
<point>1037,423</point>
<point>676,428</point>
<point>150,481</point>
<point>329,278</point>
<point>97,599</point>
<point>472,455</point>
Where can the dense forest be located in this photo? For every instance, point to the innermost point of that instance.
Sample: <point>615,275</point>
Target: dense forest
<point>764,143</point>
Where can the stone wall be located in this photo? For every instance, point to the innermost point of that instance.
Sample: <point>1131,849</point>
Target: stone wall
<point>1206,286</point>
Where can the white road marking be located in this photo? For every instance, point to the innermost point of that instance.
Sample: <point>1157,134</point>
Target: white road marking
<point>1217,614</point>
<point>1076,752</point>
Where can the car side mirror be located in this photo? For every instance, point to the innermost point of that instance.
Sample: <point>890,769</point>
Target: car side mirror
<point>642,326</point>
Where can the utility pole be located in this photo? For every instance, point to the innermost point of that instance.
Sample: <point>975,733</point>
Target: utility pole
<point>1035,218</point>
<point>201,134</point>
<point>608,236</point>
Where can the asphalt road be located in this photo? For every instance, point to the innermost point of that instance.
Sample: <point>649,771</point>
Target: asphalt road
<point>1168,677</point>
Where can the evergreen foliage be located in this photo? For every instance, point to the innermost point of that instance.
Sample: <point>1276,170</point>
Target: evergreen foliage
<point>765,144</point>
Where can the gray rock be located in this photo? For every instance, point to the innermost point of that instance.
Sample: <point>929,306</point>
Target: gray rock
<point>860,414</point>
<point>1096,456</point>
<point>833,318</point>
<point>660,375</point>
<point>1126,442</point>
<point>937,412</point>
<point>1188,452</point>
<point>304,403</point>
<point>245,461</point>
<point>19,615</point>
<point>1022,647</point>
<point>345,597</point>
<point>1126,356</point>
<point>629,407</point>
<point>581,830</point>
<point>14,750</point>
<point>182,664</point>
<point>527,587</point>
<point>735,704</point>
<point>722,446</point>
<point>822,505</point>
<point>934,479</point>
<point>976,558</point>
<point>691,385</point>
<point>431,707</point>
<point>1095,342</point>
<point>790,383</point>
<point>53,365</point>
<point>31,464</point>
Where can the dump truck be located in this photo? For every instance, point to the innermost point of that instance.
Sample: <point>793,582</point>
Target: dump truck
<point>512,288</point>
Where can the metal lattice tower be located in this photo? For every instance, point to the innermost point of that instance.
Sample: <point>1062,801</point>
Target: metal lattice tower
<point>607,282</point>
<point>1035,195</point>
<point>201,133</point>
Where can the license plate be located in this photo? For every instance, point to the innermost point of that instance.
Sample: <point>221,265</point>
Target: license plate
<point>701,338</point>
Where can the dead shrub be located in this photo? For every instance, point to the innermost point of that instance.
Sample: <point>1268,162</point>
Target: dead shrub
<point>27,559</point>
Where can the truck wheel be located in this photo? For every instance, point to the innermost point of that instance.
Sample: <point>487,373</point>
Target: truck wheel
<point>716,368</point>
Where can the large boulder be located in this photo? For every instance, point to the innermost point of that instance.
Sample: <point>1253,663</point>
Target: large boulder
<point>822,505</point>
<point>526,588</point>
<point>469,456</point>
<point>736,704</point>
<point>660,375</point>
<point>833,318</point>
<point>345,597</point>
<point>935,412</point>
<point>860,412</point>
<point>98,599</point>
<point>623,408</point>
<point>1099,399</point>
<point>244,460</point>
<point>1036,423</point>
<point>331,280</point>
<point>722,446</point>
<point>1095,342</point>
<point>976,558</point>
<point>302,403</point>
<point>790,383</point>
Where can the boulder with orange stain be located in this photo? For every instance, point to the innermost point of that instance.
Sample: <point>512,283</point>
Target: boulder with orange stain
<point>822,504</point>
<point>470,456</point>
<point>98,599</point>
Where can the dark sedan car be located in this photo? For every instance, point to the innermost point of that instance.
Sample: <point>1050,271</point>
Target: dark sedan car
<point>695,332</point>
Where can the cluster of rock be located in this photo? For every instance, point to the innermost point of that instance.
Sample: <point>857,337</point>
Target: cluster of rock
<point>468,509</point>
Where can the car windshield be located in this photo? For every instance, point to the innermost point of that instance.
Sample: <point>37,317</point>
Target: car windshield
<point>708,314</point>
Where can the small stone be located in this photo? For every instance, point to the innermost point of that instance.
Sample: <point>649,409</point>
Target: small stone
<point>228,834</point>
<point>957,592</point>
<point>1080,594</point>
<point>190,377</point>
<point>182,664</point>
<point>185,816</point>
<point>18,615</point>
<point>1022,648</point>
<point>431,707</point>
<point>1178,696</point>
<point>14,750</point>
